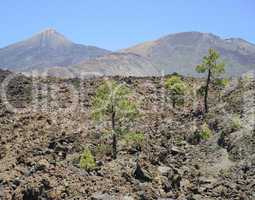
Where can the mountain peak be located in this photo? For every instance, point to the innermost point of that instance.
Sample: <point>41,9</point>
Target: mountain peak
<point>50,38</point>
<point>48,48</point>
<point>49,30</point>
<point>189,37</point>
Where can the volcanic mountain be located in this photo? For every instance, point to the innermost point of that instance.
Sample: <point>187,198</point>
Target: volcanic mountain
<point>181,52</point>
<point>46,49</point>
<point>51,52</point>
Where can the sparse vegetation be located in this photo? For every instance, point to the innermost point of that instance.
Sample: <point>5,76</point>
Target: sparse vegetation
<point>164,150</point>
<point>176,88</point>
<point>202,133</point>
<point>87,160</point>
<point>113,103</point>
<point>134,138</point>
<point>205,132</point>
<point>213,68</point>
<point>235,123</point>
<point>221,84</point>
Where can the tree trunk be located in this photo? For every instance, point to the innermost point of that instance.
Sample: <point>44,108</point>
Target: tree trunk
<point>114,146</point>
<point>174,103</point>
<point>114,137</point>
<point>206,91</point>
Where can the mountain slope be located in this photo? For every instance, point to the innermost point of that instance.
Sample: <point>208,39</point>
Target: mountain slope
<point>46,49</point>
<point>181,52</point>
<point>124,64</point>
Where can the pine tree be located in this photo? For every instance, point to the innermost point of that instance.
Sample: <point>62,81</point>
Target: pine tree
<point>113,103</point>
<point>213,68</point>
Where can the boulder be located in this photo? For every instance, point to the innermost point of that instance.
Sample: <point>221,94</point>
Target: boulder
<point>141,174</point>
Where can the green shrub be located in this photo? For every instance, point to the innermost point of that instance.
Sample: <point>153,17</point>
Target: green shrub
<point>87,160</point>
<point>134,138</point>
<point>205,132</point>
<point>235,122</point>
<point>177,88</point>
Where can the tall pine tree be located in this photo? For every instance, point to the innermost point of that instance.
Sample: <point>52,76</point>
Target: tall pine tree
<point>213,68</point>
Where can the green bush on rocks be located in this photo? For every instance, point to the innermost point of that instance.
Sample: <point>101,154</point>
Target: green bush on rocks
<point>87,160</point>
<point>134,138</point>
<point>235,123</point>
<point>205,132</point>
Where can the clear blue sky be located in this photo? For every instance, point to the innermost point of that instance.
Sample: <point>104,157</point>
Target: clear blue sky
<point>115,24</point>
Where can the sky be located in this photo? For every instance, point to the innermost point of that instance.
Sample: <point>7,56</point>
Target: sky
<point>116,24</point>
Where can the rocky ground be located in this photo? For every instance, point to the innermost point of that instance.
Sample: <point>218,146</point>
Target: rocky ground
<point>41,146</point>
